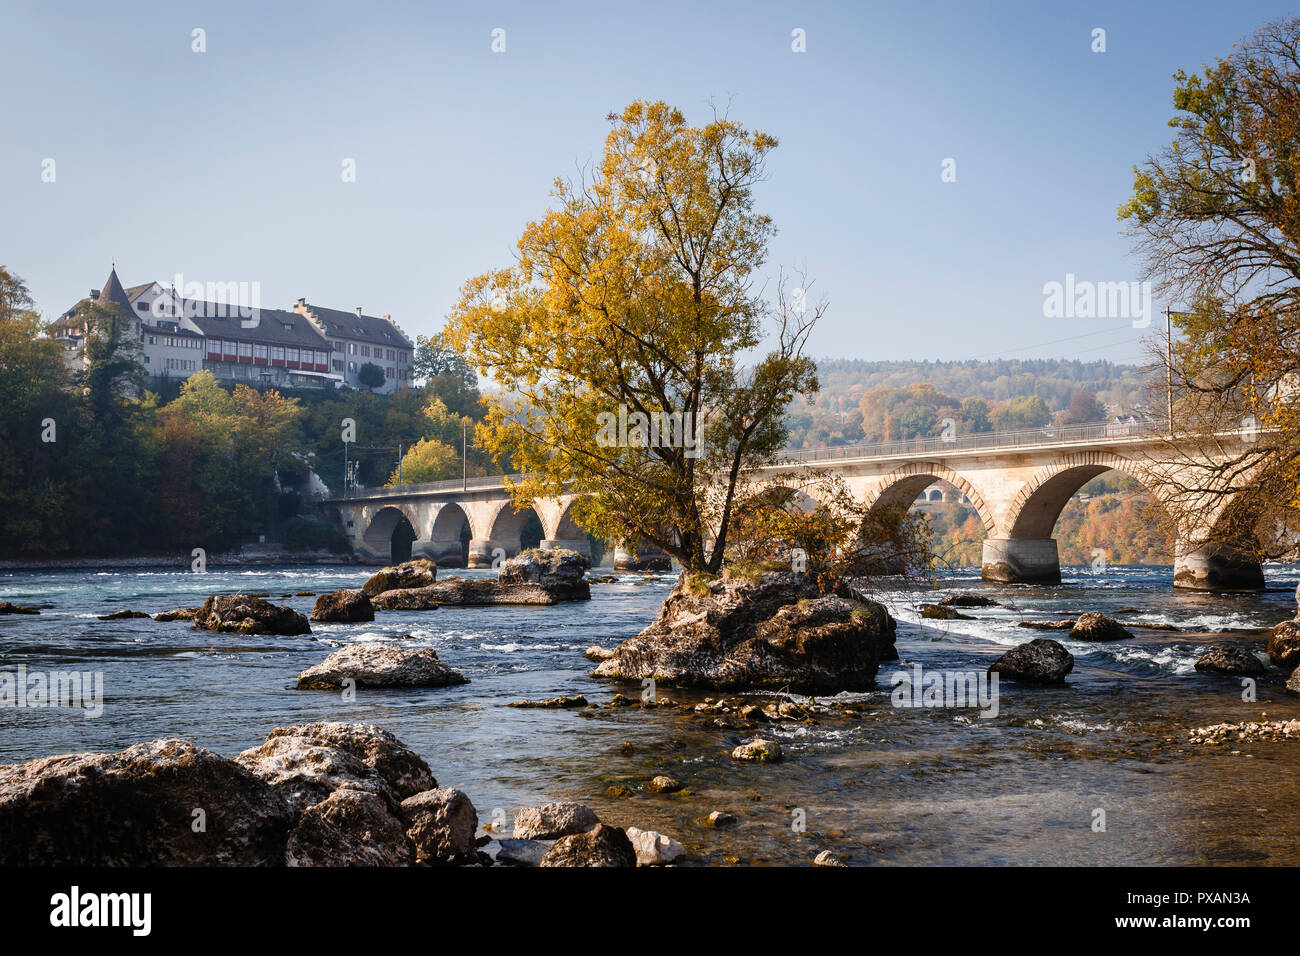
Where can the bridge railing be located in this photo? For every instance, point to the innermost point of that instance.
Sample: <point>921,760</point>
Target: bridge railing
<point>1007,440</point>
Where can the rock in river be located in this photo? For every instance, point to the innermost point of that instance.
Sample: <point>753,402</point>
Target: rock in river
<point>1040,661</point>
<point>552,820</point>
<point>775,631</point>
<point>1284,644</point>
<point>245,614</point>
<point>8,607</point>
<point>178,614</point>
<point>1230,659</point>
<point>1092,626</point>
<point>412,574</point>
<point>123,615</point>
<point>601,846</point>
<point>441,825</point>
<point>654,849</point>
<point>968,600</point>
<point>308,762</point>
<point>137,808</point>
<point>375,664</point>
<point>759,750</point>
<point>349,828</point>
<point>349,605</point>
<point>559,570</point>
<point>943,613</point>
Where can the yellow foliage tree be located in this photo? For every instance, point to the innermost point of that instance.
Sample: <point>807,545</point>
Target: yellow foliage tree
<point>427,460</point>
<point>624,338</point>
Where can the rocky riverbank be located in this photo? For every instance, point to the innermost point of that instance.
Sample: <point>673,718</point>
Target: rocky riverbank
<point>323,794</point>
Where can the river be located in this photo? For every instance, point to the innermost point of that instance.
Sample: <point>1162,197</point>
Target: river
<point>886,786</point>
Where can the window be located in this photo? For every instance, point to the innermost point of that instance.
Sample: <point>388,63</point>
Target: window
<point>277,353</point>
<point>153,340</point>
<point>390,355</point>
<point>142,306</point>
<point>365,351</point>
<point>388,371</point>
<point>352,366</point>
<point>245,350</point>
<point>338,346</point>
<point>338,365</point>
<point>259,351</point>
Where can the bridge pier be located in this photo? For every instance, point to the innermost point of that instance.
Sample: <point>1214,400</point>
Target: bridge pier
<point>1218,567</point>
<point>445,554</point>
<point>483,550</point>
<point>1021,561</point>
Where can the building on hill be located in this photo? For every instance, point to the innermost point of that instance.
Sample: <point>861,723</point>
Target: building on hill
<point>272,347</point>
<point>308,347</point>
<point>356,339</point>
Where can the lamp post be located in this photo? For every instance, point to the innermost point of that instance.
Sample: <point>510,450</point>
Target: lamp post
<point>464,454</point>
<point>1169,367</point>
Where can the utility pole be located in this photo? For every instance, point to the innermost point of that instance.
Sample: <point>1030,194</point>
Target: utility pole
<point>464,455</point>
<point>399,462</point>
<point>345,469</point>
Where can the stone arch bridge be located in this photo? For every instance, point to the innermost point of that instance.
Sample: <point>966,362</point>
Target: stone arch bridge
<point>1017,482</point>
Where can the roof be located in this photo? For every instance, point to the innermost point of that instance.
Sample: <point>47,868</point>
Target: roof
<point>135,291</point>
<point>224,322</point>
<point>367,328</point>
<point>112,293</point>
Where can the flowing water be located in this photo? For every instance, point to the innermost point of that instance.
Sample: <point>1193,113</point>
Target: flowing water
<point>887,785</point>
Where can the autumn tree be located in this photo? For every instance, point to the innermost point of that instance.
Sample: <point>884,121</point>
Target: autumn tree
<point>1216,217</point>
<point>426,460</point>
<point>638,297</point>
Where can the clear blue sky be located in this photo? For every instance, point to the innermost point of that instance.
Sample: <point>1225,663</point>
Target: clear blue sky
<point>225,166</point>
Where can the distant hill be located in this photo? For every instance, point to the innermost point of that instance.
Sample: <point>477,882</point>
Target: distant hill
<point>1052,380</point>
<point>872,401</point>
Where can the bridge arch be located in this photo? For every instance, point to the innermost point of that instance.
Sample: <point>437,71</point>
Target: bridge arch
<point>1038,505</point>
<point>903,485</point>
<point>509,531</point>
<point>449,536</point>
<point>383,536</point>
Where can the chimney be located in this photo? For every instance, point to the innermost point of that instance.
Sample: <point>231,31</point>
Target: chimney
<point>387,317</point>
<point>358,312</point>
<point>302,303</point>
<point>94,293</point>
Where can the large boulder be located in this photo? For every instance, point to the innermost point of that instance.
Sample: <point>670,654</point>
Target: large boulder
<point>348,605</point>
<point>373,664</point>
<point>1293,682</point>
<point>412,574</point>
<point>1284,644</point>
<point>559,570</point>
<point>441,824</point>
<point>162,803</point>
<point>1040,661</point>
<point>553,820</point>
<point>308,762</point>
<point>601,846</point>
<point>8,607</point>
<point>1230,659</point>
<point>245,614</point>
<point>1092,626</point>
<point>776,630</point>
<point>349,828</point>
